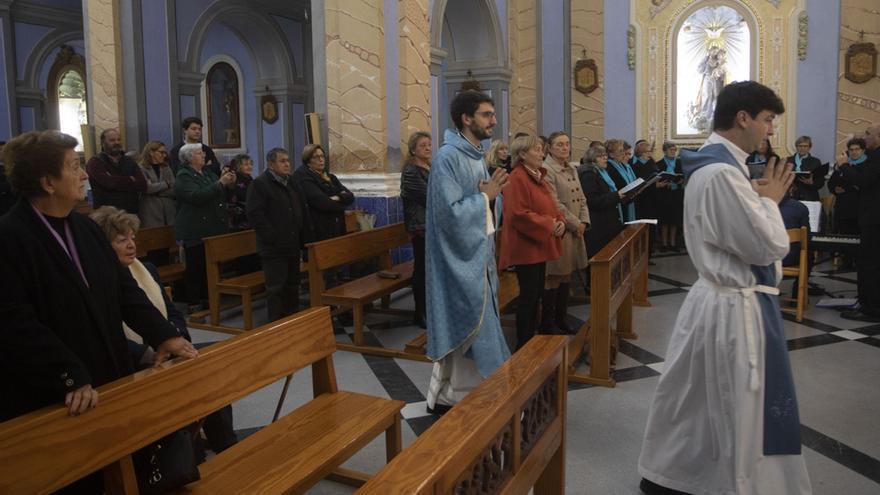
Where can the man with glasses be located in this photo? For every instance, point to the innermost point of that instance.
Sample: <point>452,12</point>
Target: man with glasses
<point>464,331</point>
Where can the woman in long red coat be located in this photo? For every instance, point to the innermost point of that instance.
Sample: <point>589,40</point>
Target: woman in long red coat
<point>531,232</point>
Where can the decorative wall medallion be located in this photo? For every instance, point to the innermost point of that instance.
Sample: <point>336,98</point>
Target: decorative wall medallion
<point>631,47</point>
<point>861,62</point>
<point>803,28</point>
<point>269,108</point>
<point>657,6</point>
<point>586,76</point>
<point>775,3</point>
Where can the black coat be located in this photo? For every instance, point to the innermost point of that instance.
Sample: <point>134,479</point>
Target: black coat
<point>808,192</point>
<point>846,203</point>
<point>866,176</point>
<point>58,334</point>
<point>414,193</point>
<point>669,201</point>
<point>327,215</point>
<point>279,215</point>
<point>602,202</point>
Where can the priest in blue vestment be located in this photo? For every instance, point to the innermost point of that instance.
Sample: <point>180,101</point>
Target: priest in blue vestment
<point>465,340</point>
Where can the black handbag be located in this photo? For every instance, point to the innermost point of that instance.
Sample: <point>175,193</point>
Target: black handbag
<point>167,464</point>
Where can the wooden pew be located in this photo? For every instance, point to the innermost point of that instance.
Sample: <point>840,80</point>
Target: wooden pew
<point>156,238</point>
<point>46,450</point>
<point>222,249</point>
<point>356,294</point>
<point>618,280</point>
<point>506,436</point>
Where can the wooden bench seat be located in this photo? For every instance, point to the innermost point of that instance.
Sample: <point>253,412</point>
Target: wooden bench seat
<point>357,294</point>
<point>302,448</point>
<point>46,450</point>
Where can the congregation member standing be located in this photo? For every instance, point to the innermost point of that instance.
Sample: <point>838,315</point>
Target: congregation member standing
<point>621,173</point>
<point>414,194</point>
<point>277,210</point>
<point>116,179</point>
<point>498,156</point>
<point>236,197</point>
<point>157,204</point>
<point>562,177</point>
<point>724,418</point>
<point>809,178</point>
<point>201,198</point>
<point>866,176</point>
<point>465,340</point>
<point>192,134</point>
<point>846,204</point>
<point>531,233</point>
<point>326,196</point>
<point>64,294</point>
<point>760,158</point>
<point>669,198</point>
<point>603,200</point>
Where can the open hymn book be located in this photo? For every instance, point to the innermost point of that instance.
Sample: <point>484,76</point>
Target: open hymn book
<point>637,186</point>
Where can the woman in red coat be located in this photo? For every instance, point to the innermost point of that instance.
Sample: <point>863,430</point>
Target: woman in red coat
<point>531,232</point>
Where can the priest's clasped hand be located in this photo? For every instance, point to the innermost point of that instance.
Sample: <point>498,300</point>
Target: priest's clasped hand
<point>775,183</point>
<point>495,184</point>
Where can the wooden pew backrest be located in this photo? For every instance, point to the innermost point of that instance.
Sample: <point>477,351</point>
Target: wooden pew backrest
<point>155,238</point>
<point>356,246</point>
<point>46,450</point>
<point>227,247</point>
<point>506,435</point>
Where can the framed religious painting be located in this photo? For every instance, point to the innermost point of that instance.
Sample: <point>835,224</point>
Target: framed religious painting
<point>861,62</point>
<point>269,108</point>
<point>586,76</point>
<point>224,111</point>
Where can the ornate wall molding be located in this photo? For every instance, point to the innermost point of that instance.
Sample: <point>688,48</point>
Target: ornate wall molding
<point>631,47</point>
<point>657,6</point>
<point>775,3</point>
<point>803,29</point>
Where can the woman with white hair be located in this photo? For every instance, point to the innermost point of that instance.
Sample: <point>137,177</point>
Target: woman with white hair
<point>201,212</point>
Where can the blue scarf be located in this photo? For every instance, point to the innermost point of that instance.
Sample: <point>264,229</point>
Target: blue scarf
<point>670,168</point>
<point>628,175</point>
<point>858,160</point>
<point>797,161</point>
<point>611,185</point>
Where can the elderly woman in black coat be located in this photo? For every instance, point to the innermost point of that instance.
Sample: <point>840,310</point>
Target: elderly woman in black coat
<point>65,296</point>
<point>414,193</point>
<point>603,200</point>
<point>326,196</point>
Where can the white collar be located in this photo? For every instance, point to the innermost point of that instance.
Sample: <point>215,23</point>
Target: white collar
<point>734,150</point>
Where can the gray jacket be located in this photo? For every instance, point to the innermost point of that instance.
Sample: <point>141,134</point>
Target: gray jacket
<point>157,205</point>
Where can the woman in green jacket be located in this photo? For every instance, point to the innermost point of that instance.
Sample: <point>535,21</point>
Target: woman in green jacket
<point>201,212</point>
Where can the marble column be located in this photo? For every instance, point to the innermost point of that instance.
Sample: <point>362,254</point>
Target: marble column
<point>587,42</point>
<point>522,17</point>
<point>104,69</point>
<point>414,62</point>
<point>356,112</point>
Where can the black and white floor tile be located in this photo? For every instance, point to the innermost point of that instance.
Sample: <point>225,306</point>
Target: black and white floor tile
<point>836,365</point>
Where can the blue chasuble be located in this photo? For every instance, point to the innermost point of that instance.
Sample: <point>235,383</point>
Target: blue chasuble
<point>461,278</point>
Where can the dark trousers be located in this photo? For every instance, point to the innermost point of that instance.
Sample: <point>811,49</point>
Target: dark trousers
<point>869,270</point>
<point>531,285</point>
<point>418,278</point>
<point>282,286</point>
<point>196,274</point>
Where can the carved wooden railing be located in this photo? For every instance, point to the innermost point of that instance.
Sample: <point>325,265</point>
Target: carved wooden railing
<point>618,280</point>
<point>506,437</point>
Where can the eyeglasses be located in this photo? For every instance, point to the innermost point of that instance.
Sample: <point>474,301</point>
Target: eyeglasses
<point>487,114</point>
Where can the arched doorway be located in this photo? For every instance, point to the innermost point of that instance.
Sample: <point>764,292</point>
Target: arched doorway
<point>67,94</point>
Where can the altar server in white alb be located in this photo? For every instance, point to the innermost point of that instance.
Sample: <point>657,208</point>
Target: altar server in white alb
<point>724,419</point>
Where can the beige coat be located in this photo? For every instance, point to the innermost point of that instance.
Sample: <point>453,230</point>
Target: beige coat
<point>570,199</point>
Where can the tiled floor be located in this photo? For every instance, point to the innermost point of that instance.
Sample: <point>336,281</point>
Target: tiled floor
<point>836,366</point>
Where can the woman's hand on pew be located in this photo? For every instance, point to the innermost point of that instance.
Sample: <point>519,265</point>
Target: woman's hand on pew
<point>81,400</point>
<point>178,346</point>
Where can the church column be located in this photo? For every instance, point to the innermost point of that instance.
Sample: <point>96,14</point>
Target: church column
<point>356,113</point>
<point>8,125</point>
<point>104,70</point>
<point>587,43</point>
<point>414,63</point>
<point>523,58</point>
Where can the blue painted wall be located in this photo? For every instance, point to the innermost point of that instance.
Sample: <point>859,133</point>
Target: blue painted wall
<point>298,134</point>
<point>157,83</point>
<point>26,38</point>
<point>620,82</point>
<point>553,75</point>
<point>6,103</point>
<point>186,14</point>
<point>817,79</point>
<point>293,31</point>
